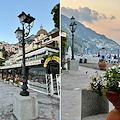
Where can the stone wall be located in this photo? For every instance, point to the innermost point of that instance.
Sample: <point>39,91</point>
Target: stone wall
<point>92,104</point>
<point>1,55</point>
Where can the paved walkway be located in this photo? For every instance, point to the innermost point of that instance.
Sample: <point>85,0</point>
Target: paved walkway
<point>96,117</point>
<point>72,84</point>
<point>48,106</point>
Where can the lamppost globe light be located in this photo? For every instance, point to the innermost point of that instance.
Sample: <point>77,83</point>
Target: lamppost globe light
<point>25,18</point>
<point>73,27</point>
<point>70,26</point>
<point>72,19</point>
<point>22,17</point>
<point>29,19</point>
<point>18,33</point>
<point>21,34</point>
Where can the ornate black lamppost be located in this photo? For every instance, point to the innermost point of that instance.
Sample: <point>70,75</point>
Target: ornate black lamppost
<point>72,26</point>
<point>27,21</point>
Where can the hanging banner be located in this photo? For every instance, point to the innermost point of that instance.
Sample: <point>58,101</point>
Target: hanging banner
<point>51,58</point>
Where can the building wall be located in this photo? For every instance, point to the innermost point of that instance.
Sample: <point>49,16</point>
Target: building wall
<point>1,55</point>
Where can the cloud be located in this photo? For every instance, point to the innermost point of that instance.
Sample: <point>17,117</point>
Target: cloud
<point>83,14</point>
<point>112,17</point>
<point>116,30</point>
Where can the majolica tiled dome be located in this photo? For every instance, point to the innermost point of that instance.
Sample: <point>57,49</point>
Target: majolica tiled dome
<point>41,31</point>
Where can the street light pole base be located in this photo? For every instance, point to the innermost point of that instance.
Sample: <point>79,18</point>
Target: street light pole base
<point>24,93</point>
<point>73,59</point>
<point>74,64</point>
<point>25,107</point>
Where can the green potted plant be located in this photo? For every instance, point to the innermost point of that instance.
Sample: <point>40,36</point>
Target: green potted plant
<point>16,83</point>
<point>7,80</point>
<point>108,81</point>
<point>102,64</point>
<point>109,84</point>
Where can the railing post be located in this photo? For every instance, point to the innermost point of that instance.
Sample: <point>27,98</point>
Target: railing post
<point>47,83</point>
<point>58,84</point>
<point>52,89</point>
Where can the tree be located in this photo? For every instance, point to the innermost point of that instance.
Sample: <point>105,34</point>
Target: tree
<point>11,53</point>
<point>6,54</point>
<point>56,15</point>
<point>1,62</point>
<point>3,49</point>
<point>63,49</point>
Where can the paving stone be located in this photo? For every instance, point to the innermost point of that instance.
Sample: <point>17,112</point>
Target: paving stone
<point>72,84</point>
<point>48,106</point>
<point>96,117</point>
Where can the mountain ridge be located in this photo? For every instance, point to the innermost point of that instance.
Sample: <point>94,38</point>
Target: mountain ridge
<point>88,38</point>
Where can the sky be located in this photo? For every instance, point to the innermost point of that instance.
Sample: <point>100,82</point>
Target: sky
<point>10,9</point>
<point>102,16</point>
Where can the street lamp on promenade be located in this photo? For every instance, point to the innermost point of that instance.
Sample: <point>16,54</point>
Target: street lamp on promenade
<point>27,22</point>
<point>72,26</point>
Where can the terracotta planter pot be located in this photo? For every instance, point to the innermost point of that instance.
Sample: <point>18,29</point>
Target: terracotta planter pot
<point>114,115</point>
<point>102,65</point>
<point>113,97</point>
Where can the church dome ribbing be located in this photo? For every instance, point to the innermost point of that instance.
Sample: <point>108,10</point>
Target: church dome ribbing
<point>41,31</point>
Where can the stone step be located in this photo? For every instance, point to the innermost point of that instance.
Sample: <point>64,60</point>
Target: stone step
<point>96,117</point>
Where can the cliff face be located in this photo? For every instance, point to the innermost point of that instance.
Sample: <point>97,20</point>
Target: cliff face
<point>87,38</point>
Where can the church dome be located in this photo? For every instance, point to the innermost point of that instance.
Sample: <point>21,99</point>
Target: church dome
<point>41,31</point>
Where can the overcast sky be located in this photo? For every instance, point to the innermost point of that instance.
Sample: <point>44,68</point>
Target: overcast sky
<point>10,9</point>
<point>102,16</point>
